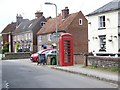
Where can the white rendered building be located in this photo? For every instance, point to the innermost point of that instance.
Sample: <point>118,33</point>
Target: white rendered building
<point>104,29</point>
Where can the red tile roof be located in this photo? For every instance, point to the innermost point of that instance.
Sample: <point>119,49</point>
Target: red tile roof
<point>50,25</point>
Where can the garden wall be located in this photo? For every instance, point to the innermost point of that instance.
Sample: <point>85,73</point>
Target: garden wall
<point>19,55</point>
<point>105,62</point>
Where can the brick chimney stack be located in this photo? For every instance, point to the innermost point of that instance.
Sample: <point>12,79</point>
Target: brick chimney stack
<point>19,19</point>
<point>65,12</point>
<point>38,14</point>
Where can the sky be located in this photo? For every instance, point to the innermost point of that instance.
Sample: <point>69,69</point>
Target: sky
<point>27,8</point>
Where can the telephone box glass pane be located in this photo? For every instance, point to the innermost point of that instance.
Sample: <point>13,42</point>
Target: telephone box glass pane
<point>67,53</point>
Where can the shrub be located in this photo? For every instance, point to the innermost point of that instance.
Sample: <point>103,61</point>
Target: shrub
<point>4,50</point>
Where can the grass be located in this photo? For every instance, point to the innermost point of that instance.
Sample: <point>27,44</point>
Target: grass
<point>111,69</point>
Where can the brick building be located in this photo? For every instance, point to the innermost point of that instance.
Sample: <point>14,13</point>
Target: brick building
<point>7,35</point>
<point>75,24</point>
<point>26,33</point>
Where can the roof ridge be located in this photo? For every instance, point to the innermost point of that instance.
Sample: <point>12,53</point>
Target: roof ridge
<point>110,6</point>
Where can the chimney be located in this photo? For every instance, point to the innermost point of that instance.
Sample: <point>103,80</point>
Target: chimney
<point>38,14</point>
<point>19,19</point>
<point>48,18</point>
<point>65,12</point>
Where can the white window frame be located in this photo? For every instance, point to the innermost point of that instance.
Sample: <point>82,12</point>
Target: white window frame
<point>102,21</point>
<point>18,37</point>
<point>39,39</point>
<point>23,37</point>
<point>26,36</point>
<point>49,37</point>
<point>80,22</point>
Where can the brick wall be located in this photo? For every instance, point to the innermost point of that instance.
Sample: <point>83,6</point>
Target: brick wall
<point>79,58</point>
<point>20,55</point>
<point>80,34</point>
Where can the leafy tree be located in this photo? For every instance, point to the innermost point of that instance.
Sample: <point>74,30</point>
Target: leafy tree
<point>5,47</point>
<point>17,45</point>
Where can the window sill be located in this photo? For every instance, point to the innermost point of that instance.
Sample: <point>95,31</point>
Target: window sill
<point>102,50</point>
<point>101,28</point>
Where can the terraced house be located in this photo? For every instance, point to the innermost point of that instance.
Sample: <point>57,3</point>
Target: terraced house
<point>75,24</point>
<point>104,29</point>
<point>25,35</point>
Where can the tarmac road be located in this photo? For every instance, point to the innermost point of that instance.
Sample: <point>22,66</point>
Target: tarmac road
<point>26,74</point>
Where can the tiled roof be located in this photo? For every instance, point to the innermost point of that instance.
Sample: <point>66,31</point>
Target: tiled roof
<point>50,25</point>
<point>9,28</point>
<point>27,25</point>
<point>22,26</point>
<point>113,5</point>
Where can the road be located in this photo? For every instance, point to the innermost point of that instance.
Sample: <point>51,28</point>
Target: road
<point>26,74</point>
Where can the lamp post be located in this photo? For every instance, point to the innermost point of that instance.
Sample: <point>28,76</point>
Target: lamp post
<point>48,3</point>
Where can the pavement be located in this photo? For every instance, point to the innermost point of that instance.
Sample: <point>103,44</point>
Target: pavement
<point>99,74</point>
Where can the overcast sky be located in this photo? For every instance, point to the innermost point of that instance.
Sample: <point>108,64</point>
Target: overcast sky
<point>27,8</point>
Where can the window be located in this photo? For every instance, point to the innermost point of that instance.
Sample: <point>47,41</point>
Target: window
<point>18,37</point>
<point>39,39</point>
<point>49,37</point>
<point>102,22</point>
<point>26,36</point>
<point>14,38</point>
<point>80,22</point>
<point>30,36</point>
<point>42,23</point>
<point>22,37</point>
<point>102,42</point>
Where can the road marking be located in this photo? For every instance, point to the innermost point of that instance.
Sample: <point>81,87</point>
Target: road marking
<point>5,85</point>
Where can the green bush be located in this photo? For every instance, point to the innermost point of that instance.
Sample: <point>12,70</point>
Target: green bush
<point>4,50</point>
<point>17,46</point>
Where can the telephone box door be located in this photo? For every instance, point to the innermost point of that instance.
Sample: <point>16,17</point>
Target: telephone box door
<point>66,49</point>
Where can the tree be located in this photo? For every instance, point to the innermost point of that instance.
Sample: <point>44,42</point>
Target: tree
<point>17,45</point>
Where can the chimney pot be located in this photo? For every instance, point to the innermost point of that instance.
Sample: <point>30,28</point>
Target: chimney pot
<point>38,14</point>
<point>65,12</point>
<point>19,19</point>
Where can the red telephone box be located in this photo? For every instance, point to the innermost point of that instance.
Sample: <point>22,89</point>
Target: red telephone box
<point>66,49</point>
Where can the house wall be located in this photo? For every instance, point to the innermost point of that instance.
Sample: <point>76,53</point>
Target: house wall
<point>46,39</point>
<point>5,38</point>
<point>119,43</point>
<point>80,34</point>
<point>24,39</point>
<point>111,19</point>
<point>35,30</point>
<point>119,30</point>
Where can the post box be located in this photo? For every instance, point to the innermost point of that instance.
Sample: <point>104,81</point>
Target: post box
<point>66,49</point>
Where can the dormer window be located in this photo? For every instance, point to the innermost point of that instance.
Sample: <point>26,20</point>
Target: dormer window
<point>80,22</point>
<point>42,23</point>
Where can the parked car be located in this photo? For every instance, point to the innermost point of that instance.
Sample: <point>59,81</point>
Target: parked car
<point>51,52</point>
<point>34,57</point>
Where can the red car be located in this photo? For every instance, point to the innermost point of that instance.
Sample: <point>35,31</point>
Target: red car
<point>34,57</point>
